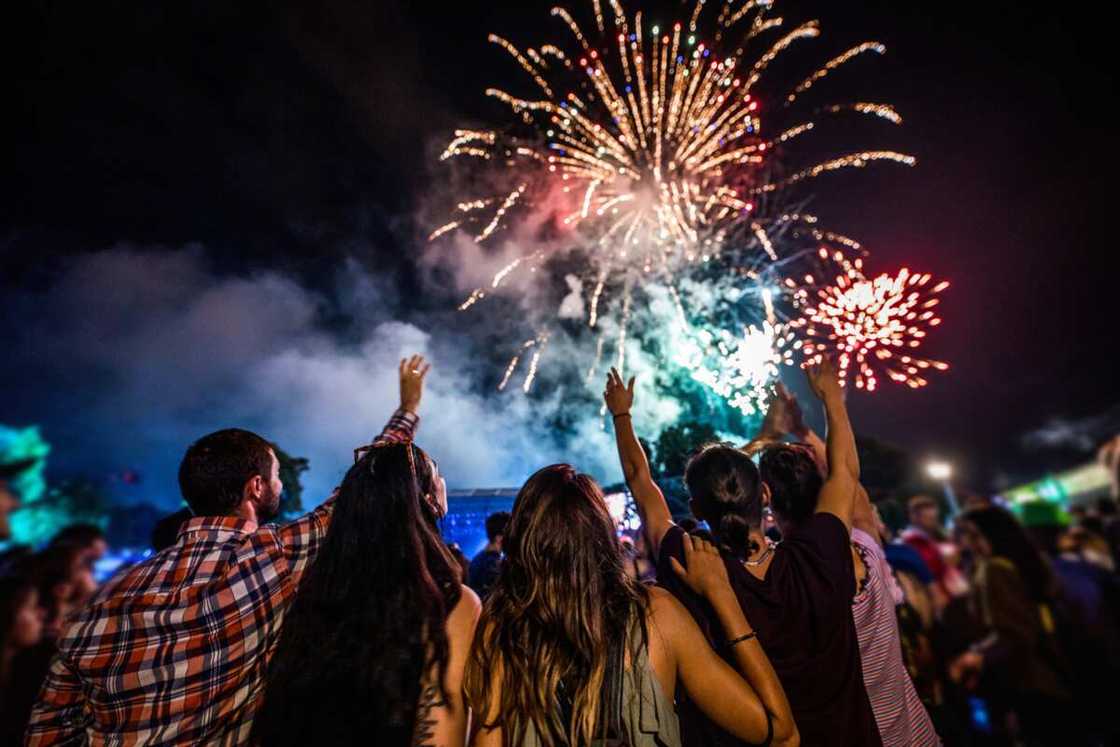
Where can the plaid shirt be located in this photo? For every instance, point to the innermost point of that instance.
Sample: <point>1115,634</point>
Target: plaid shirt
<point>175,650</point>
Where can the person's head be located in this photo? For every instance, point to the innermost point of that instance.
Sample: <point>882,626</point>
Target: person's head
<point>9,498</point>
<point>496,527</point>
<point>89,537</point>
<point>794,480</point>
<point>9,502</point>
<point>65,582</point>
<point>232,472</point>
<point>994,533</point>
<point>562,607</point>
<point>166,531</point>
<point>21,617</point>
<point>726,491</point>
<point>368,620</point>
<point>925,514</point>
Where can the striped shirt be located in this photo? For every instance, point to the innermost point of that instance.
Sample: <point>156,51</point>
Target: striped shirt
<point>899,713</point>
<point>174,651</point>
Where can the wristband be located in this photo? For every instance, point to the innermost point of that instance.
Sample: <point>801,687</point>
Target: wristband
<point>740,639</point>
<point>621,415</point>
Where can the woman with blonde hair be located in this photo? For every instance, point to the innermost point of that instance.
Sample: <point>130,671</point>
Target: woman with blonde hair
<point>571,650</point>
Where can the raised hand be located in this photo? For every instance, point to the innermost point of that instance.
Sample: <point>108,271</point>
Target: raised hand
<point>412,373</point>
<point>618,396</point>
<point>823,380</point>
<point>704,570</point>
<point>783,415</point>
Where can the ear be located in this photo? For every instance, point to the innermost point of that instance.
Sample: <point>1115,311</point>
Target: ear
<point>765,495</point>
<point>254,488</point>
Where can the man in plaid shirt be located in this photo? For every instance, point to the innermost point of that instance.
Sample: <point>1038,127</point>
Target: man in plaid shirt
<point>175,650</point>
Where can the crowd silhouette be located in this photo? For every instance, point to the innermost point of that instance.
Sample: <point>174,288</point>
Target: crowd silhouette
<point>782,611</point>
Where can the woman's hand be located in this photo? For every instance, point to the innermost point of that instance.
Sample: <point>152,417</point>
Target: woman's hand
<point>705,573</point>
<point>412,373</point>
<point>824,381</point>
<point>618,396</point>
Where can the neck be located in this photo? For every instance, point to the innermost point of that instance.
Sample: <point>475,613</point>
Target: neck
<point>247,511</point>
<point>759,538</point>
<point>493,546</point>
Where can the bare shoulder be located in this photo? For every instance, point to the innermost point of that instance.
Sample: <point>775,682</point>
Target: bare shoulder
<point>666,612</point>
<point>464,616</point>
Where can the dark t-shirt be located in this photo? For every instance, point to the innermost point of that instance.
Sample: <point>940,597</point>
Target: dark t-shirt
<point>484,572</point>
<point>802,613</point>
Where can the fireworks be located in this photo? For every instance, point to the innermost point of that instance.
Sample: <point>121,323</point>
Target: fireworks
<point>739,369</point>
<point>872,325</point>
<point>649,148</point>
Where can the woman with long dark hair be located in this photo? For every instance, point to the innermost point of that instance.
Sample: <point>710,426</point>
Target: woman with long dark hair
<point>1018,659</point>
<point>373,647</point>
<point>573,651</point>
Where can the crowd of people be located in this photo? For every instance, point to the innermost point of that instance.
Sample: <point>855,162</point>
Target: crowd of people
<point>783,611</point>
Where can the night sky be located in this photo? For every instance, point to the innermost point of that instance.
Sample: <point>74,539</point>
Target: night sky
<point>296,135</point>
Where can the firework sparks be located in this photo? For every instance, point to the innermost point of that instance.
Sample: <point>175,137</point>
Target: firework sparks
<point>647,143</point>
<point>872,326</point>
<point>739,369</point>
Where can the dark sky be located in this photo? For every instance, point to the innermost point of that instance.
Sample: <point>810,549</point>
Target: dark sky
<point>286,134</point>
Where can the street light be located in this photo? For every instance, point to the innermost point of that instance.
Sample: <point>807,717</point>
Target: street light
<point>940,471</point>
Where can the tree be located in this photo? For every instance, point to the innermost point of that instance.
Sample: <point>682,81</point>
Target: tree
<point>291,501</point>
<point>678,442</point>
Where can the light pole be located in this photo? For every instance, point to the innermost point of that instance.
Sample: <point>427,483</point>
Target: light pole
<point>943,473</point>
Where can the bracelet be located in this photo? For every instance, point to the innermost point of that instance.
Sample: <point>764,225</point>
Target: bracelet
<point>621,415</point>
<point>740,639</point>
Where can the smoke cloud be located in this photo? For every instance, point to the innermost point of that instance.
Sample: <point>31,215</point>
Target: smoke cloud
<point>142,350</point>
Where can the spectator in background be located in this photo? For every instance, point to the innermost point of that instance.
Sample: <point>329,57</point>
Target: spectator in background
<point>1018,662</point>
<point>166,531</point>
<point>21,630</point>
<point>212,604</point>
<point>486,565</point>
<point>64,578</point>
<point>9,501</point>
<point>90,538</point>
<point>926,535</point>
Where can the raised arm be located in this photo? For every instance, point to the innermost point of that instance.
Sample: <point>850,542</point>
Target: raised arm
<point>840,487</point>
<point>652,507</point>
<point>706,574</point>
<point>300,539</point>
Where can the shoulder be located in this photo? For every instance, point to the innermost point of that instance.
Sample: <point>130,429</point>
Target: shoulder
<point>666,611</point>
<point>464,615</point>
<point>820,529</point>
<point>867,543</point>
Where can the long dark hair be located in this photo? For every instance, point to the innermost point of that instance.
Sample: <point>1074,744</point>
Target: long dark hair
<point>563,606</point>
<point>367,624</point>
<point>725,485</point>
<point>1009,540</point>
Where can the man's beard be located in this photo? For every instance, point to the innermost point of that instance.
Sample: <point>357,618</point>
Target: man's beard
<point>268,511</point>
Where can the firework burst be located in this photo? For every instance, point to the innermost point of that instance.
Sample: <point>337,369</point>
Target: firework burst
<point>649,145</point>
<point>872,326</point>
